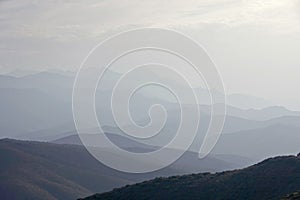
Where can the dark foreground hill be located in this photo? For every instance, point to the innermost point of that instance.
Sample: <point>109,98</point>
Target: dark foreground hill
<point>39,170</point>
<point>270,179</point>
<point>292,196</point>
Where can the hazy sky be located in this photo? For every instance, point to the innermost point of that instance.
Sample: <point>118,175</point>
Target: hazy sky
<point>255,44</point>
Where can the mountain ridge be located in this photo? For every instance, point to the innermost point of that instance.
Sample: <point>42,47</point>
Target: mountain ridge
<point>48,171</point>
<point>269,179</point>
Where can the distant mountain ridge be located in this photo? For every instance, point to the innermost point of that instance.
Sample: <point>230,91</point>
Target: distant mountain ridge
<point>45,97</point>
<point>120,141</point>
<point>269,141</point>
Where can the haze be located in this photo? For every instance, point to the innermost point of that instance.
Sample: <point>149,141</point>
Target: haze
<point>255,44</point>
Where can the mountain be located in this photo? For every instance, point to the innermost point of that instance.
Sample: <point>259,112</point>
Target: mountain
<point>41,170</point>
<point>31,110</point>
<point>262,114</point>
<point>119,140</point>
<point>20,73</point>
<point>233,126</point>
<point>270,179</point>
<point>41,80</point>
<point>32,170</point>
<point>261,143</point>
<point>40,105</point>
<point>244,147</point>
<point>189,162</point>
<point>247,101</point>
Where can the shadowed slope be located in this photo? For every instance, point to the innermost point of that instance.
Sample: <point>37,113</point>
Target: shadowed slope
<point>270,179</point>
<point>40,170</point>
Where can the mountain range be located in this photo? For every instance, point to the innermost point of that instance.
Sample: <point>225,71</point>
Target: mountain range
<point>38,107</point>
<point>48,171</point>
<point>42,101</point>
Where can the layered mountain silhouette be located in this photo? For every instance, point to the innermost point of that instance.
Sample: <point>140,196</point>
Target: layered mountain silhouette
<point>38,107</point>
<point>41,102</point>
<point>270,179</point>
<point>40,170</point>
<point>253,145</point>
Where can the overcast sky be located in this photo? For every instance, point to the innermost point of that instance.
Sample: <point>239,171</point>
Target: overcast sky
<point>255,44</point>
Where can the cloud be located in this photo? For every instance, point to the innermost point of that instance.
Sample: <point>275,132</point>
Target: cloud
<point>255,43</point>
<point>71,20</point>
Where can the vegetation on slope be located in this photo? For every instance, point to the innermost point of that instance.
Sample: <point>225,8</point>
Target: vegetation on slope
<point>270,179</point>
<point>293,196</point>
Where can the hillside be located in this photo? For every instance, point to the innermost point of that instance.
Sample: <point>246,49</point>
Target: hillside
<point>270,179</point>
<point>31,170</point>
<point>40,170</point>
<point>293,196</point>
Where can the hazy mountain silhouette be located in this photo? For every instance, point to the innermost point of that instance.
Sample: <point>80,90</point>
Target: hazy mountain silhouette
<point>39,170</point>
<point>250,146</point>
<point>40,105</point>
<point>262,143</point>
<point>120,141</point>
<point>188,163</point>
<point>247,101</point>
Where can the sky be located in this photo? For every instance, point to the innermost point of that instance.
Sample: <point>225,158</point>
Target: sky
<point>254,43</point>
